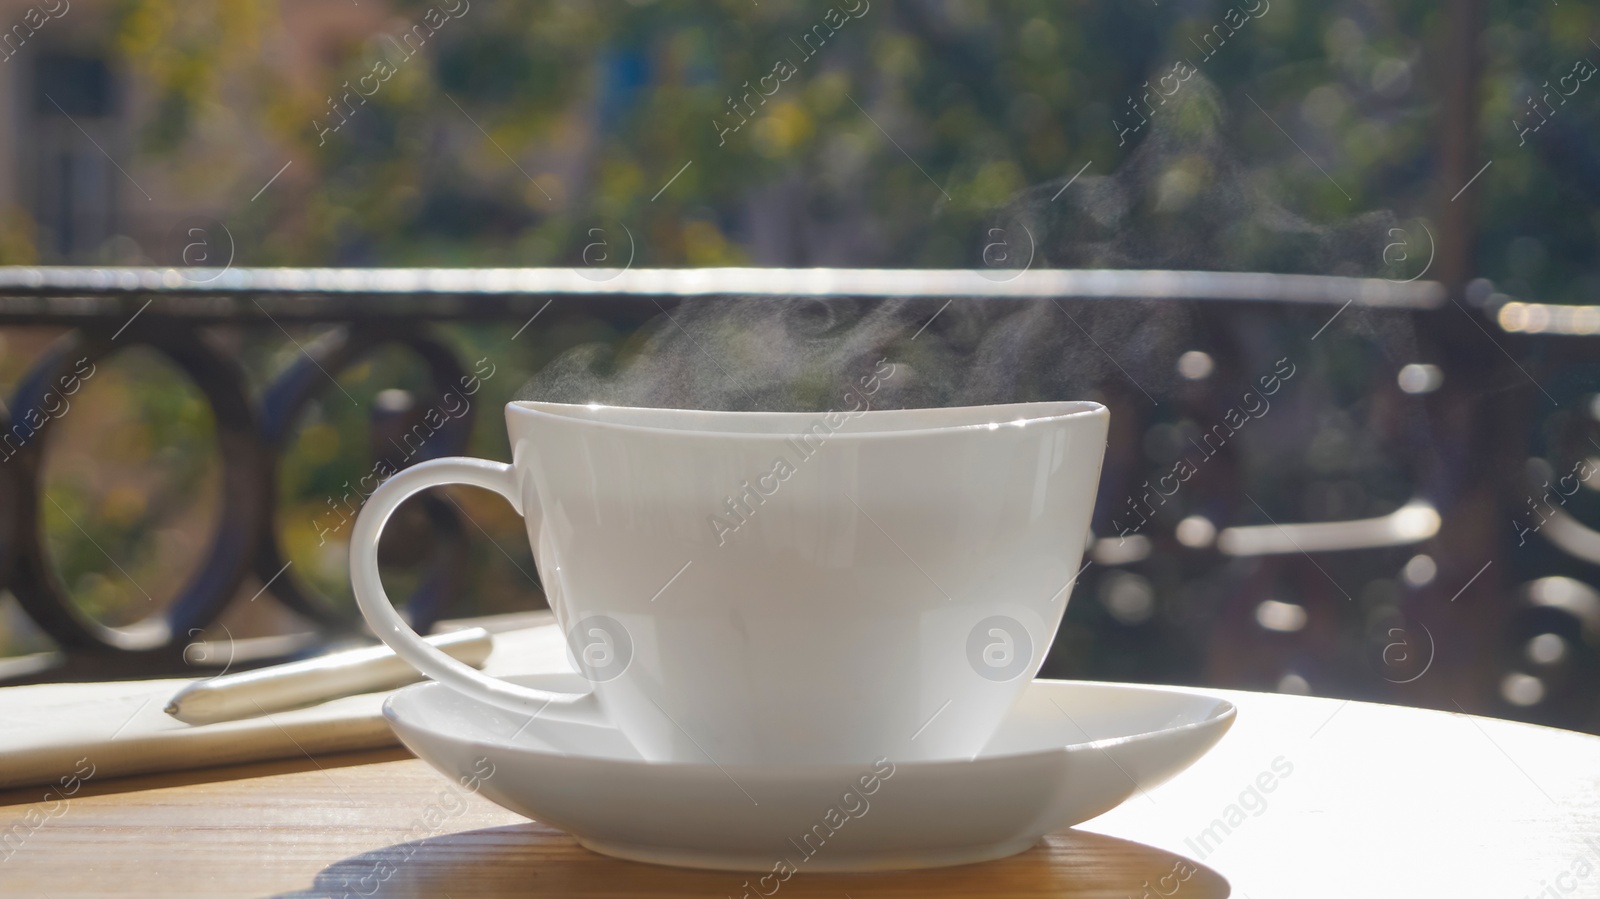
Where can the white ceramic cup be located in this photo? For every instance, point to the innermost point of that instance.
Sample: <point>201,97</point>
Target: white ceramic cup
<point>756,588</point>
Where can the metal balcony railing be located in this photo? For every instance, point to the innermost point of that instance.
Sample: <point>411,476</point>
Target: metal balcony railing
<point>1435,596</point>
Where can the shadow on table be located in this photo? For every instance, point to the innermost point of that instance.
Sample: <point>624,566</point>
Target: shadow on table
<point>534,860</point>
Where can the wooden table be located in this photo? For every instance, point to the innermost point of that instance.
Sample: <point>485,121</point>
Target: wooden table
<point>1315,797</point>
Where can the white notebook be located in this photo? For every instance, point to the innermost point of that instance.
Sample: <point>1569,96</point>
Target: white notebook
<point>50,733</point>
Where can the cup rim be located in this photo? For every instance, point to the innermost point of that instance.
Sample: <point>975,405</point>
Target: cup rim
<point>1016,415</point>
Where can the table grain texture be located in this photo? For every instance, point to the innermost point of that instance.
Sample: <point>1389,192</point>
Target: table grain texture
<point>1303,798</point>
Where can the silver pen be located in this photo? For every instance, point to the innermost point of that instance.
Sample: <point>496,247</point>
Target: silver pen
<point>314,680</point>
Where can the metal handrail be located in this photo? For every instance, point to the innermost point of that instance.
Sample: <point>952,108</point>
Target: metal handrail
<point>67,294</point>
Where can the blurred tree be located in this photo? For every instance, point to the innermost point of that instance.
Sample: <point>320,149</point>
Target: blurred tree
<point>894,134</point>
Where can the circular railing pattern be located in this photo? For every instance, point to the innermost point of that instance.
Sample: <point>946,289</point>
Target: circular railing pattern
<point>250,444</point>
<point>282,405</point>
<point>244,497</point>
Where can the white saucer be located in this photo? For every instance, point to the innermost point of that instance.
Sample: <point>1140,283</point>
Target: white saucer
<point>1068,752</point>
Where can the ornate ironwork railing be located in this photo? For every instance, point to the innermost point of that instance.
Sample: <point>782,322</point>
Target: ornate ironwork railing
<point>1466,582</point>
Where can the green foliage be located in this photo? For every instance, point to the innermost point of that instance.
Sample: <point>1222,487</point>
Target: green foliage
<point>130,487</point>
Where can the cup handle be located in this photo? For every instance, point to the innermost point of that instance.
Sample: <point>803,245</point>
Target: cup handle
<point>393,630</point>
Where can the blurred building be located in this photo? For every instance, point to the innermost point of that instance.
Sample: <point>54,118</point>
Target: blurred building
<point>75,184</point>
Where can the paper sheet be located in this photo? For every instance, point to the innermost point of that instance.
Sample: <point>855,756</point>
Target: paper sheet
<point>50,733</point>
